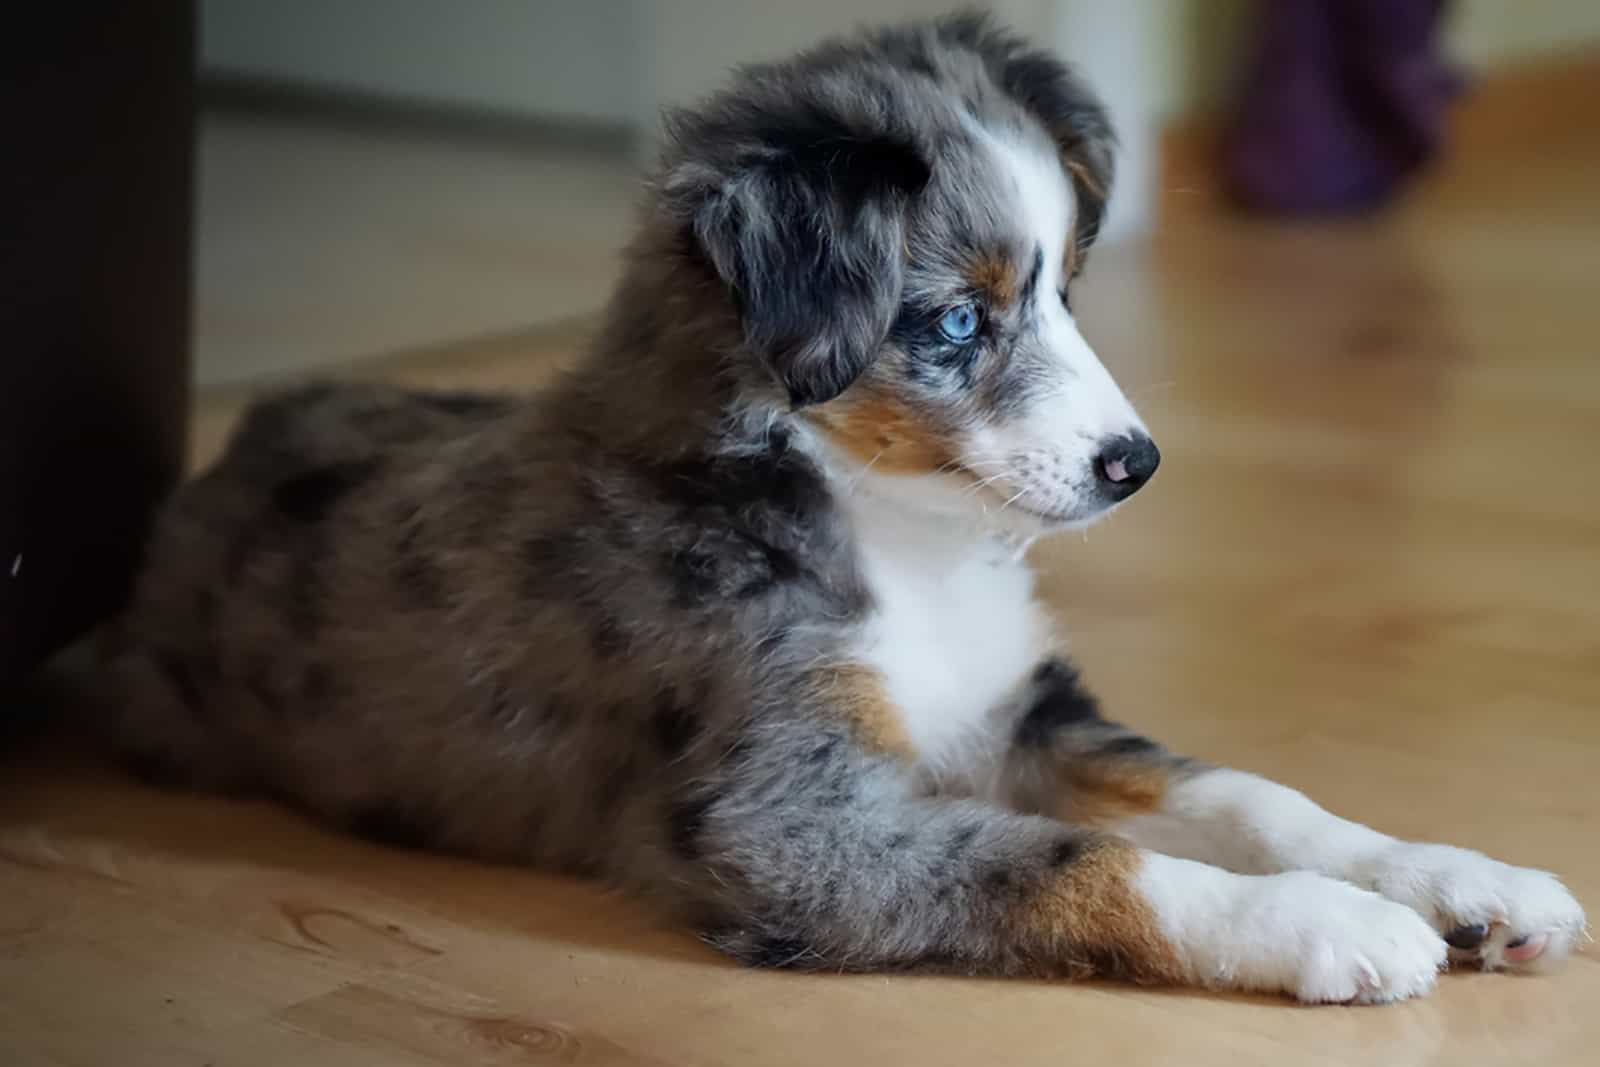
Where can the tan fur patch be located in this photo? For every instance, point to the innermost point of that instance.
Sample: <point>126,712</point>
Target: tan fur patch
<point>1094,919</point>
<point>874,426</point>
<point>1101,791</point>
<point>857,693</point>
<point>1084,177</point>
<point>996,277</point>
<point>1083,180</point>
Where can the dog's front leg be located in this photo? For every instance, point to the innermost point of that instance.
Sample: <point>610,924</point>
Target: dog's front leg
<point>1081,767</point>
<point>811,853</point>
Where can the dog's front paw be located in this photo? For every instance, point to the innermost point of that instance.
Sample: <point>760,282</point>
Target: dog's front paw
<point>1328,942</point>
<point>1499,916</point>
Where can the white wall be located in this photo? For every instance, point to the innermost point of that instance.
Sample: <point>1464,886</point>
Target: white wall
<point>616,61</point>
<point>1498,33</point>
<point>554,59</point>
<point>691,43</point>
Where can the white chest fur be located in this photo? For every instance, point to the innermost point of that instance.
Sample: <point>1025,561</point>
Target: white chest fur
<point>955,634</point>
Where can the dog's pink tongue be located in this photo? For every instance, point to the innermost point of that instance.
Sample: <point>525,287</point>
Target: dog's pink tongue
<point>1116,470</point>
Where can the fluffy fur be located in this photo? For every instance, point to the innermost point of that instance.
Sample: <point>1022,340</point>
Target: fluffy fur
<point>737,614</point>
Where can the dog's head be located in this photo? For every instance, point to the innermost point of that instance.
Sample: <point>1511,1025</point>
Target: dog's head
<point>897,220</point>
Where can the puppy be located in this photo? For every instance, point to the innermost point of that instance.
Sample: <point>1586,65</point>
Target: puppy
<point>735,615</point>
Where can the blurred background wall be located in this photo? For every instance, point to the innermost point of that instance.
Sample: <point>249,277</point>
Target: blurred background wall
<point>610,61</point>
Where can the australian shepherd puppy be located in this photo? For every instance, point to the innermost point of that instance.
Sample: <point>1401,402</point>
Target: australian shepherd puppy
<point>736,615</point>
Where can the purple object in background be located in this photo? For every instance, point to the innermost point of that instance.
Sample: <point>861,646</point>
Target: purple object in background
<point>1343,100</point>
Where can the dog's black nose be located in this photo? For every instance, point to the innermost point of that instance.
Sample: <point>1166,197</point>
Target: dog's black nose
<point>1125,463</point>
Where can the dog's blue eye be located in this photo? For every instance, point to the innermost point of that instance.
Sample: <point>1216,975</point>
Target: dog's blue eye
<point>960,324</point>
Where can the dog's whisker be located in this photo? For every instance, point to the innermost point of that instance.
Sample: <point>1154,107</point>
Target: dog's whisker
<point>983,483</point>
<point>1013,498</point>
<point>855,482</point>
<point>974,460</point>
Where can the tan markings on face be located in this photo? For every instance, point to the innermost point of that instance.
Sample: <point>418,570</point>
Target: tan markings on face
<point>1084,181</point>
<point>875,426</point>
<point>1092,916</point>
<point>1100,791</point>
<point>1084,177</point>
<point>857,694</point>
<point>995,277</point>
<point>1069,264</point>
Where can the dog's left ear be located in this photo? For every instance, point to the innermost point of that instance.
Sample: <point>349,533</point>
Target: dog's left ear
<point>799,205</point>
<point>1077,123</point>
<point>1055,95</point>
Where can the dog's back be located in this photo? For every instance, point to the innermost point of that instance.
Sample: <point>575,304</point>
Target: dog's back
<point>414,614</point>
<point>306,621</point>
<point>226,601</point>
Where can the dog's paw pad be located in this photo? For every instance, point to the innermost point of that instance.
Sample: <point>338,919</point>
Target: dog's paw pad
<point>1526,948</point>
<point>1491,914</point>
<point>1467,938</point>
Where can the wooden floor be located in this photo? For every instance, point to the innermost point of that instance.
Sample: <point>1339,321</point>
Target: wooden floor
<point>1370,567</point>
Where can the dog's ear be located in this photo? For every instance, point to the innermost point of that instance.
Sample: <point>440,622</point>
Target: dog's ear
<point>1077,122</point>
<point>799,205</point>
<point>1054,94</point>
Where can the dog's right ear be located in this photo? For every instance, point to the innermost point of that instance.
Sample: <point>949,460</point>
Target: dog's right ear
<point>799,206</point>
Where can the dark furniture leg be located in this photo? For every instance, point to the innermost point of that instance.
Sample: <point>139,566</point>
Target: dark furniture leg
<point>95,202</point>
